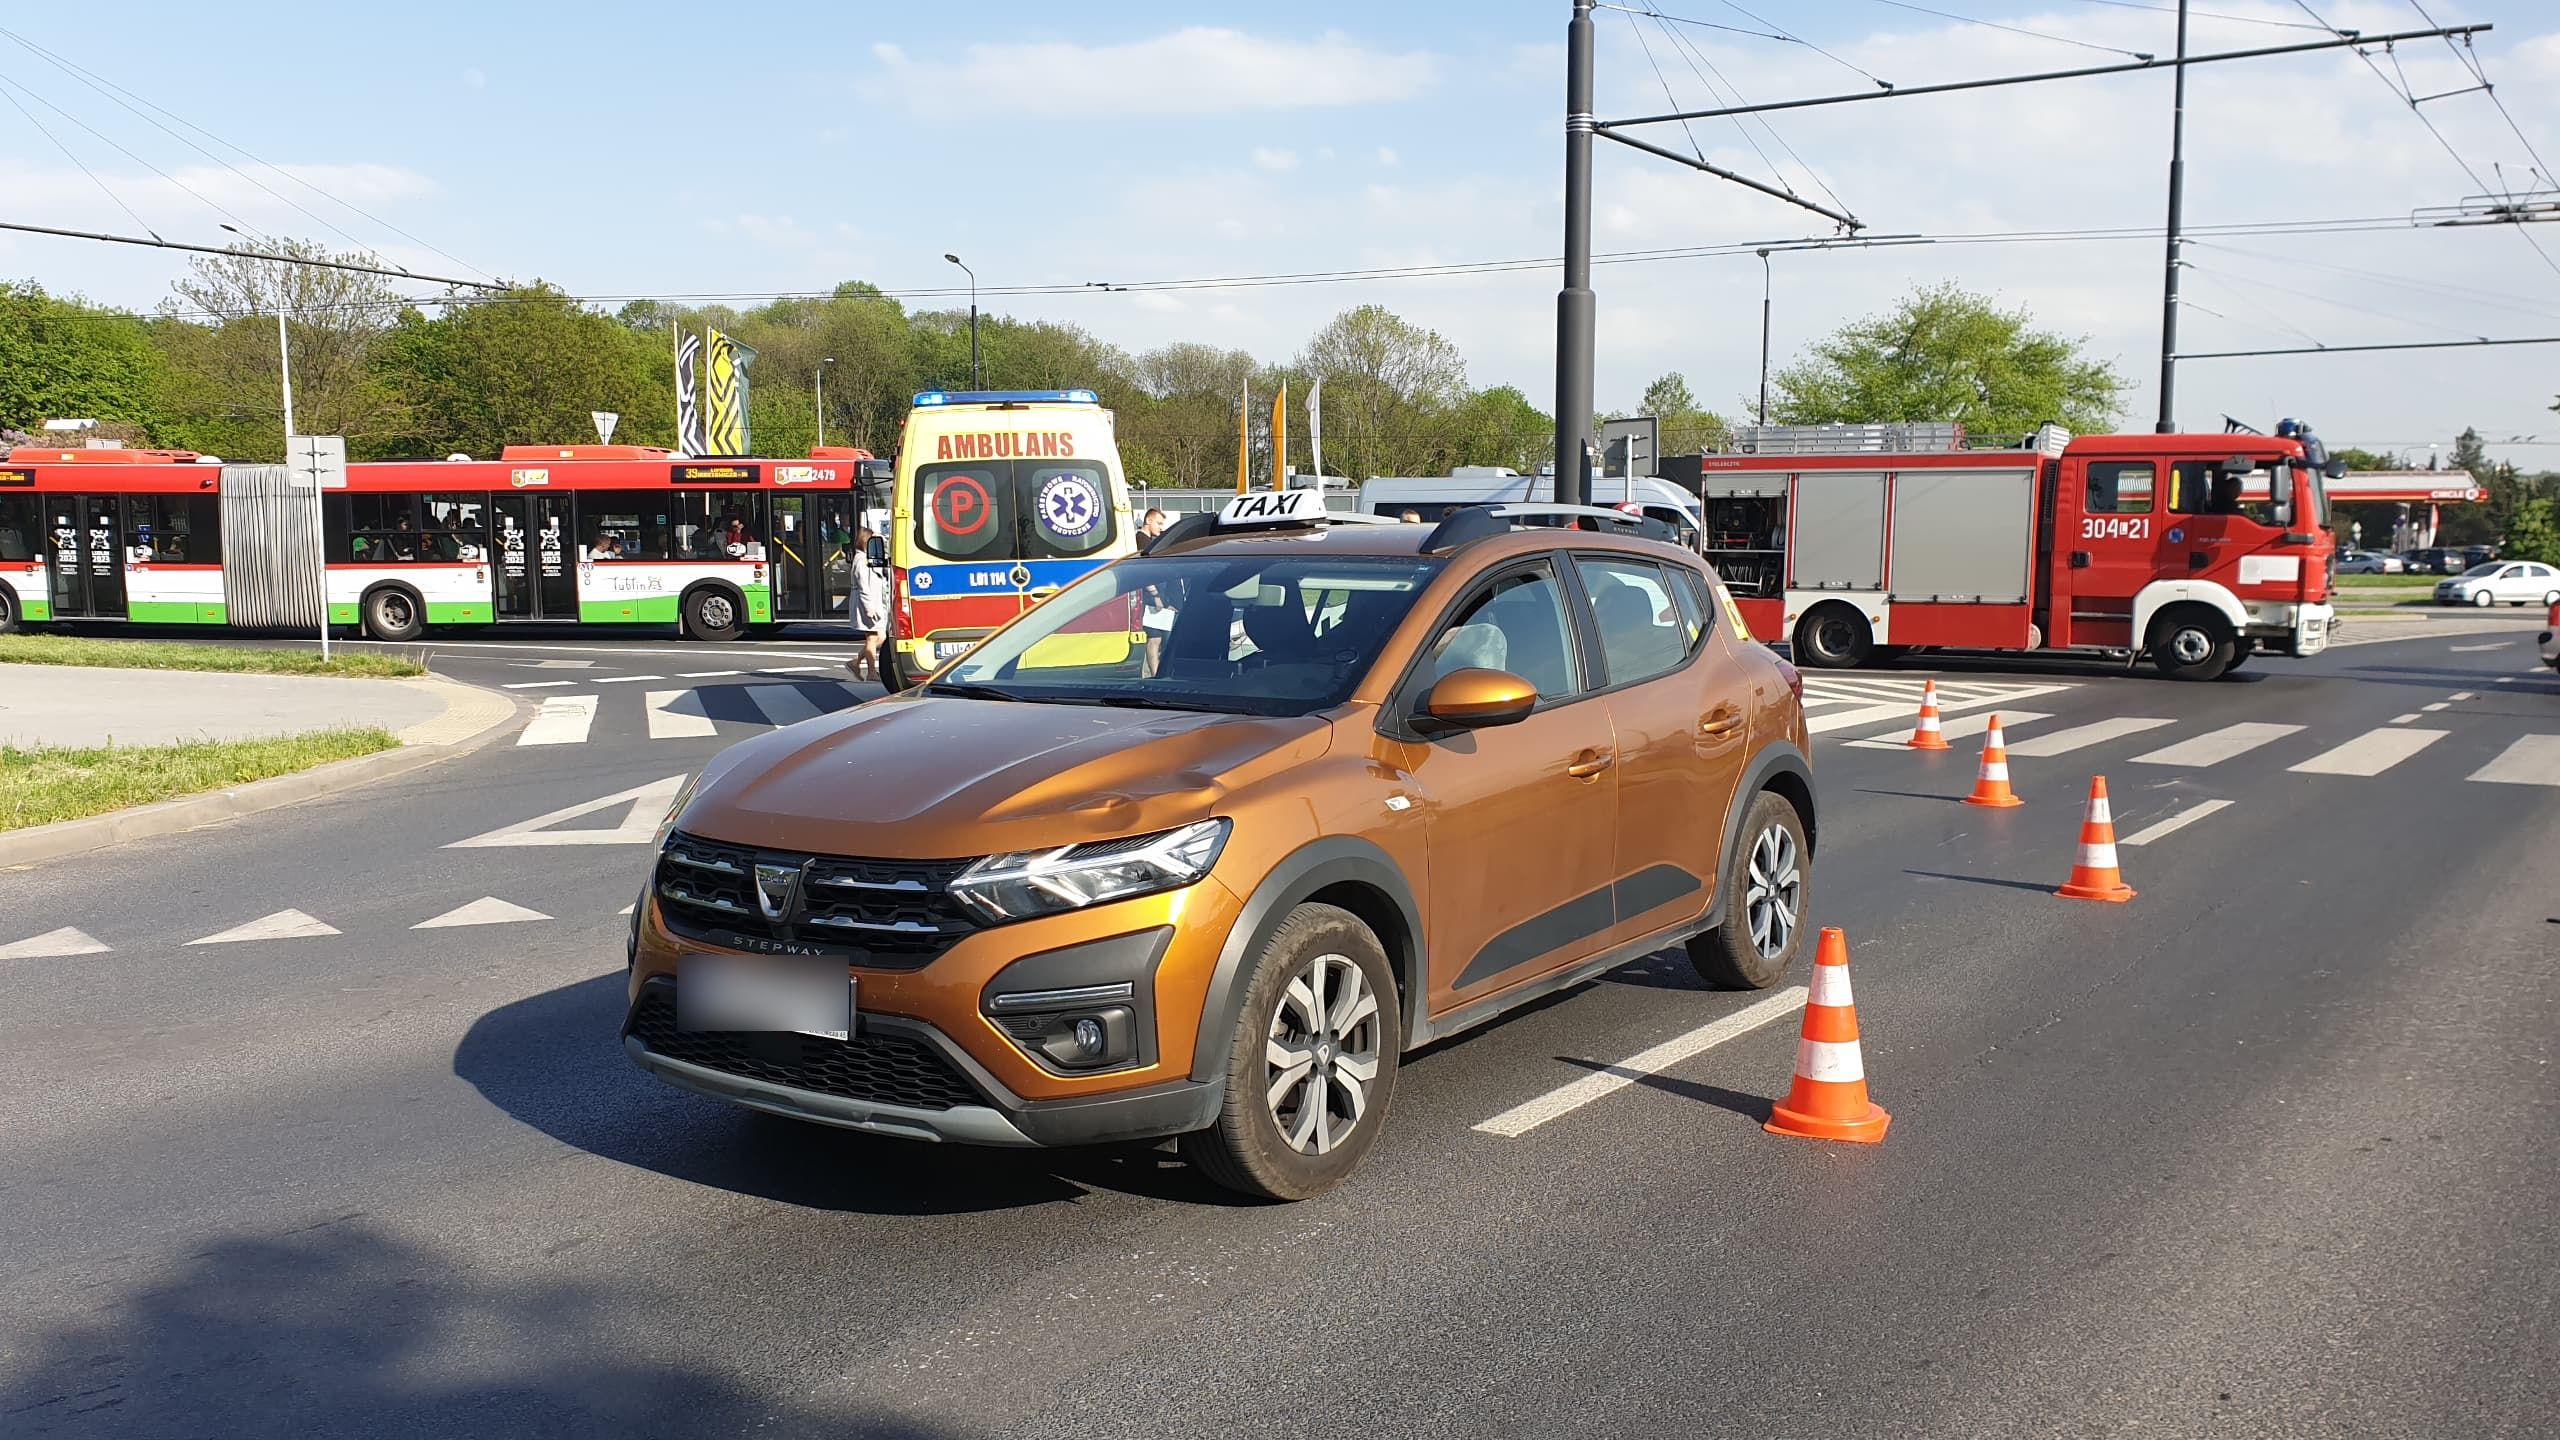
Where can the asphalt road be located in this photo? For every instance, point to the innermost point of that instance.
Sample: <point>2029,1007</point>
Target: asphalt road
<point>2265,1152</point>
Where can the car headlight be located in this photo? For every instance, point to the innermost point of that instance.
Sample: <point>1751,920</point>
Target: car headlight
<point>667,825</point>
<point>1043,882</point>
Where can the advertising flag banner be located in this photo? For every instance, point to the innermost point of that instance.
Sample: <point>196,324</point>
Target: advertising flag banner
<point>1280,438</point>
<point>725,413</point>
<point>1244,438</point>
<point>1315,425</point>
<point>689,439</point>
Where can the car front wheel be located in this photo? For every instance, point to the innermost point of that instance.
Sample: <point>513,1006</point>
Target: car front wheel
<point>2482,599</point>
<point>1310,1064</point>
<point>1764,899</point>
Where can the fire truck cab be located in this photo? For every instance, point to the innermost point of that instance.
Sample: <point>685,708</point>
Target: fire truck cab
<point>2195,550</point>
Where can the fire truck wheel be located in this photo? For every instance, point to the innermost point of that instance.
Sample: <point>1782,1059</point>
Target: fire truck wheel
<point>1833,637</point>
<point>2191,642</point>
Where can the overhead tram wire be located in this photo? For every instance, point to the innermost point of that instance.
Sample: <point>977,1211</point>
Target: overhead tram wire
<point>2469,55</point>
<point>2013,29</point>
<point>9,93</point>
<point>1877,80</point>
<point>112,90</point>
<point>1701,24</point>
<point>1697,58</point>
<point>1636,26</point>
<point>2208,15</point>
<point>207,201</point>
<point>2432,289</point>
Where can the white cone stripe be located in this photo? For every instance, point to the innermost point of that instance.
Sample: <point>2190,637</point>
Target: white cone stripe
<point>1829,1062</point>
<point>1830,986</point>
<point>1995,770</point>
<point>2097,857</point>
<point>2099,814</point>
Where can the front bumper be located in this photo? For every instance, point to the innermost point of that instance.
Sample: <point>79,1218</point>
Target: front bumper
<point>2290,629</point>
<point>992,1114</point>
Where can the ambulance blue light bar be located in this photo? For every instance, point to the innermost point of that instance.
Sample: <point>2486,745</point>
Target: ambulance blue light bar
<point>926,399</point>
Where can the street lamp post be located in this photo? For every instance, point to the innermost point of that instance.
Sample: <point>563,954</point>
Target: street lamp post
<point>1764,337</point>
<point>1575,327</point>
<point>823,363</point>
<point>284,349</point>
<point>977,378</point>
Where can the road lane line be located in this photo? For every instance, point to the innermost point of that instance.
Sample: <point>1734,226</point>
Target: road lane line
<point>1973,724</point>
<point>2370,753</point>
<point>2218,746</point>
<point>782,704</point>
<point>2462,695</point>
<point>2175,823</point>
<point>2475,649</point>
<point>2532,760</point>
<point>677,715</point>
<point>1520,1119</point>
<point>2506,679</point>
<point>2063,742</point>
<point>793,669</point>
<point>620,679</point>
<point>2438,705</point>
<point>562,720</point>
<point>1871,715</point>
<point>537,684</point>
<point>2404,719</point>
<point>707,674</point>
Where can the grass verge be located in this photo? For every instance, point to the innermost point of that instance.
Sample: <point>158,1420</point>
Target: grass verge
<point>229,659</point>
<point>2388,582</point>
<point>41,785</point>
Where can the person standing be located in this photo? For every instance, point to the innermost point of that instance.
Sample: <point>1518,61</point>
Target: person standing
<point>1155,617</point>
<point>867,604</point>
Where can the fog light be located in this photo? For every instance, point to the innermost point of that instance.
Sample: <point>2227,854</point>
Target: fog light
<point>1089,1036</point>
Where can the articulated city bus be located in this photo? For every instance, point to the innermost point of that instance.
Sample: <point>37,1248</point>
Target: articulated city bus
<point>615,534</point>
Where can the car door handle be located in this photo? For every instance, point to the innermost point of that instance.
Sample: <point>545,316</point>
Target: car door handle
<point>1591,765</point>
<point>1722,722</point>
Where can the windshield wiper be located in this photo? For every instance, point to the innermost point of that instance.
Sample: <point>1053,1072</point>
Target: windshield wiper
<point>967,691</point>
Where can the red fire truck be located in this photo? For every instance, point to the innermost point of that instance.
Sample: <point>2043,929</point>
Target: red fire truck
<point>1860,542</point>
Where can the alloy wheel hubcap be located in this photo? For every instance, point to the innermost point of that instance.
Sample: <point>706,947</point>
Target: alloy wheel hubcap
<point>1774,894</point>
<point>1322,1054</point>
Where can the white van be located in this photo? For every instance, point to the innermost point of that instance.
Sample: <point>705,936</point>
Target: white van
<point>1432,497</point>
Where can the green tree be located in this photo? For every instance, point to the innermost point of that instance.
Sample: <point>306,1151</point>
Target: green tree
<point>61,358</point>
<point>1388,383</point>
<point>521,368</point>
<point>1944,353</point>
<point>1685,427</point>
<point>2533,532</point>
<point>2355,459</point>
<point>218,332</point>
<point>1188,417</point>
<point>1498,427</point>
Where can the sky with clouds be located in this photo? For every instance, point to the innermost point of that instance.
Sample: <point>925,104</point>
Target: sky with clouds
<point>758,147</point>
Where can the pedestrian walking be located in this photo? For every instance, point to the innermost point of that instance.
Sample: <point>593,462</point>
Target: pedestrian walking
<point>868,607</point>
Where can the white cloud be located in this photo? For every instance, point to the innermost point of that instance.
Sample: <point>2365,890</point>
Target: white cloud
<point>1268,159</point>
<point>1197,70</point>
<point>1387,155</point>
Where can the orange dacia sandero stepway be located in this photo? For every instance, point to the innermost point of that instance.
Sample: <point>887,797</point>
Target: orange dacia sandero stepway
<point>1379,782</point>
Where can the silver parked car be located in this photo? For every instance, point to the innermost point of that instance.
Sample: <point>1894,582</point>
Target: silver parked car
<point>2368,562</point>
<point>2511,582</point>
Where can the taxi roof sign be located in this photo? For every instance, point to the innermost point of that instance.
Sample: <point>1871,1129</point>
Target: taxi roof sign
<point>1274,507</point>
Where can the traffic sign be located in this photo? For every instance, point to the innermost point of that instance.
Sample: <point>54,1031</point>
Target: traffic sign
<point>317,460</point>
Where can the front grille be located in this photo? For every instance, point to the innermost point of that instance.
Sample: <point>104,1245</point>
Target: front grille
<point>882,1069</point>
<point>880,914</point>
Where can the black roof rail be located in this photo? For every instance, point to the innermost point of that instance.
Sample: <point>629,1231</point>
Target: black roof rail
<point>1483,522</point>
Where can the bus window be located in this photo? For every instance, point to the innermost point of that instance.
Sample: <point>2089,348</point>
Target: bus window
<point>18,528</point>
<point>456,526</point>
<point>185,530</point>
<point>718,525</point>
<point>384,529</point>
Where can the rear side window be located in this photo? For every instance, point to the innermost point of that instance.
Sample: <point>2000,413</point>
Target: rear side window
<point>1643,632</point>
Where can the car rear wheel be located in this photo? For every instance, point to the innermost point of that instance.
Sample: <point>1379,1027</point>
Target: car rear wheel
<point>1310,1064</point>
<point>2547,601</point>
<point>1764,888</point>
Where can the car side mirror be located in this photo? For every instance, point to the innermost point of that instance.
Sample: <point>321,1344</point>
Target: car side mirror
<point>1473,699</point>
<point>2336,469</point>
<point>879,551</point>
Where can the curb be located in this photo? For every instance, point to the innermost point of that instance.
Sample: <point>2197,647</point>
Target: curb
<point>472,718</point>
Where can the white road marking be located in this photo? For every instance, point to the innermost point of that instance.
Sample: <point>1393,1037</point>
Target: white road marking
<point>487,910</point>
<point>1520,1119</point>
<point>1973,724</point>
<point>563,720</point>
<point>627,909</point>
<point>2404,719</point>
<point>1873,714</point>
<point>707,674</point>
<point>2462,695</point>
<point>639,824</point>
<point>2475,649</point>
<point>282,925</point>
<point>2175,823</point>
<point>537,684</point>
<point>2506,679</point>
<point>2217,746</point>
<point>2532,760</point>
<point>677,714</point>
<point>2080,737</point>
<point>793,669</point>
<point>782,704</point>
<point>53,944</point>
<point>2370,753</point>
<point>623,679</point>
<point>2438,705</point>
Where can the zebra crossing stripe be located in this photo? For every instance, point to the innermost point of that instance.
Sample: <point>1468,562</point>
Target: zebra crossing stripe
<point>2214,747</point>
<point>2080,737</point>
<point>677,714</point>
<point>562,720</point>
<point>2531,760</point>
<point>2372,752</point>
<point>1973,724</point>
<point>782,704</point>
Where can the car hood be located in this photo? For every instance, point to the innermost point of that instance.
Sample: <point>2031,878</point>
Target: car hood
<point>927,777</point>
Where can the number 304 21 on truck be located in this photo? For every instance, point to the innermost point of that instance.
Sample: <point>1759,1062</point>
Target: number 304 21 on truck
<point>1857,542</point>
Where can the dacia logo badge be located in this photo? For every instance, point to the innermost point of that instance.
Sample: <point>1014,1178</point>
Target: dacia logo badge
<point>777,886</point>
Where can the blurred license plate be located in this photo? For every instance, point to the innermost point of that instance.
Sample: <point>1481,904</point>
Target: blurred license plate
<point>721,992</point>
<point>948,648</point>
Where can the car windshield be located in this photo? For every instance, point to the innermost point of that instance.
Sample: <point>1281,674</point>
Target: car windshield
<point>2483,569</point>
<point>1262,634</point>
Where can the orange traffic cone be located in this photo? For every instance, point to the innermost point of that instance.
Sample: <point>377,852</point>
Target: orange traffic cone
<point>1991,787</point>
<point>2094,875</point>
<point>1929,736</point>
<point>1829,1100</point>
